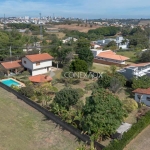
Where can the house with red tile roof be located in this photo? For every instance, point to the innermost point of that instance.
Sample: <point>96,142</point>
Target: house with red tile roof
<point>142,96</point>
<point>110,57</point>
<point>136,70</point>
<point>38,63</point>
<point>12,66</point>
<point>40,78</point>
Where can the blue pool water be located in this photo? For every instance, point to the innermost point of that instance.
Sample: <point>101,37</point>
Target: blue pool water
<point>10,82</point>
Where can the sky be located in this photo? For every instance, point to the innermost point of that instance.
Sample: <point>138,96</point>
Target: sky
<point>87,9</point>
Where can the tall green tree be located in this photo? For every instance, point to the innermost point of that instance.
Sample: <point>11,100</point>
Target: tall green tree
<point>86,55</point>
<point>78,66</point>
<point>102,113</point>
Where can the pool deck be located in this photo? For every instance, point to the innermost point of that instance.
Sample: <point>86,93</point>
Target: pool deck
<point>22,84</point>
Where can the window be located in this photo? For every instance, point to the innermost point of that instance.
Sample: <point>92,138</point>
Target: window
<point>139,97</point>
<point>38,63</point>
<point>24,62</point>
<point>148,98</point>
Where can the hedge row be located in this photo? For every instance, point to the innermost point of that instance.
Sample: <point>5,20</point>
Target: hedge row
<point>131,134</point>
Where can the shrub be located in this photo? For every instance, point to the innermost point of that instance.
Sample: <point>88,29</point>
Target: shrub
<point>80,92</point>
<point>76,81</point>
<point>131,134</point>
<point>130,105</point>
<point>27,91</point>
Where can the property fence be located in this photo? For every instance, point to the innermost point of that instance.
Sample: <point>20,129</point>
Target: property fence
<point>53,117</point>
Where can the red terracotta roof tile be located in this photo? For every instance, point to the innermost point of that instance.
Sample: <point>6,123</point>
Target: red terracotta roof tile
<point>140,64</point>
<point>40,78</point>
<point>39,57</point>
<point>12,64</point>
<point>142,91</point>
<point>111,55</point>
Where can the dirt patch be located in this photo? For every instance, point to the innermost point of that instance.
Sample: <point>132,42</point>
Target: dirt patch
<point>81,28</point>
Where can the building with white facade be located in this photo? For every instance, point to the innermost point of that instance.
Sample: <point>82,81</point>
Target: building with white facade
<point>142,96</point>
<point>136,70</point>
<point>38,63</point>
<point>108,57</point>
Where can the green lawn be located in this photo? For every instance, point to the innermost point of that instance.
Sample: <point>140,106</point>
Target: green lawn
<point>24,128</point>
<point>130,54</point>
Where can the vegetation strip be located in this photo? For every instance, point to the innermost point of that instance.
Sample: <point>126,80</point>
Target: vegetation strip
<point>131,134</point>
<point>50,115</point>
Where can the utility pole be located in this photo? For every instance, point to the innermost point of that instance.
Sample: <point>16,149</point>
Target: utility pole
<point>41,33</point>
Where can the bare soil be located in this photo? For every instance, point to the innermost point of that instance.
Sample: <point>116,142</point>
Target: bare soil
<point>81,27</point>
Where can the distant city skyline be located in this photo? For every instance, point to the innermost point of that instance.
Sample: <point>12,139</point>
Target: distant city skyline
<point>86,9</point>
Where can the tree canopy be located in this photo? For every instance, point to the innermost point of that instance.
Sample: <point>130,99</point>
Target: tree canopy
<point>141,82</point>
<point>66,97</point>
<point>103,113</point>
<point>145,56</point>
<point>86,55</point>
<point>78,66</point>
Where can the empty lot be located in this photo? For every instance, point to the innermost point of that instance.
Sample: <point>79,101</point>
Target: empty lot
<point>24,128</point>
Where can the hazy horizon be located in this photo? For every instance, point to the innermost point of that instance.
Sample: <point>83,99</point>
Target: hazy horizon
<point>87,9</point>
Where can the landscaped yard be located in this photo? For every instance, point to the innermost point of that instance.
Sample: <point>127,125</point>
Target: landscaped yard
<point>130,54</point>
<point>141,142</point>
<point>24,128</point>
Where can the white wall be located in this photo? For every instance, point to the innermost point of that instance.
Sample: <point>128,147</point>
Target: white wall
<point>143,99</point>
<point>95,52</point>
<point>43,64</point>
<point>28,64</point>
<point>39,71</point>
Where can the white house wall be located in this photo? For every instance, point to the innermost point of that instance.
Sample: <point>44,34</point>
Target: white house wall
<point>143,99</point>
<point>28,63</point>
<point>43,64</point>
<point>39,71</point>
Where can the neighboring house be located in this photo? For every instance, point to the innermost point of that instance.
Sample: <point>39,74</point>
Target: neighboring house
<point>69,39</point>
<point>95,46</point>
<point>40,78</point>
<point>38,63</point>
<point>95,52</point>
<point>12,66</point>
<point>142,96</point>
<point>136,70</point>
<point>122,43</point>
<point>104,42</point>
<point>109,57</point>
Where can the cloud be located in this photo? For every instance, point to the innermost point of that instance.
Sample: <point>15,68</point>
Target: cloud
<point>78,8</point>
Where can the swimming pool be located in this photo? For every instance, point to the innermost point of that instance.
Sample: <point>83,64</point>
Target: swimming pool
<point>10,82</point>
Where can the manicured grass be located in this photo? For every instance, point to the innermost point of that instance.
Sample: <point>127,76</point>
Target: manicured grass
<point>99,68</point>
<point>130,54</point>
<point>24,128</point>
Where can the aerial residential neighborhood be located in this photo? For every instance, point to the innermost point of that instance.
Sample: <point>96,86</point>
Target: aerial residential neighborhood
<point>74,75</point>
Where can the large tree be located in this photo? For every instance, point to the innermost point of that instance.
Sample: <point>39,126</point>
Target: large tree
<point>66,97</point>
<point>86,55</point>
<point>79,66</point>
<point>102,113</point>
<point>145,56</point>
